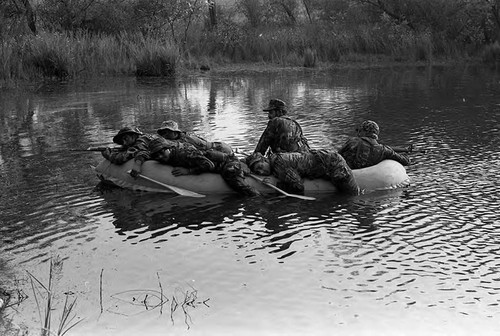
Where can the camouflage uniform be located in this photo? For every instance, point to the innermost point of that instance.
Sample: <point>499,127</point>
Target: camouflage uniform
<point>292,168</point>
<point>138,151</point>
<point>233,171</point>
<point>203,144</point>
<point>365,151</point>
<point>183,155</point>
<point>194,139</point>
<point>229,167</point>
<point>282,134</point>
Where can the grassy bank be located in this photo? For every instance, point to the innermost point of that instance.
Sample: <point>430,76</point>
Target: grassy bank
<point>72,55</point>
<point>64,55</point>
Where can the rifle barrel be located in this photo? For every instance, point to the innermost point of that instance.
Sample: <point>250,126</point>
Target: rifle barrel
<point>408,150</point>
<point>97,149</point>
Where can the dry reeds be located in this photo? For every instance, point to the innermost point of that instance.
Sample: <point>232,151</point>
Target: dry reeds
<point>154,57</point>
<point>44,297</point>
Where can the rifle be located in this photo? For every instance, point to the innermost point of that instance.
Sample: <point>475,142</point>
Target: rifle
<point>409,149</point>
<point>97,149</point>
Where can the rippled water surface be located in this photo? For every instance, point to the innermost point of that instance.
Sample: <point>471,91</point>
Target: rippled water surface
<point>420,260</point>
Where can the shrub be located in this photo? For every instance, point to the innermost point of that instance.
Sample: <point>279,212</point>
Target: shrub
<point>491,53</point>
<point>155,57</point>
<point>48,56</point>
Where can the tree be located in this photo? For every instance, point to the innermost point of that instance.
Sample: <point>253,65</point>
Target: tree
<point>65,14</point>
<point>289,7</point>
<point>212,14</point>
<point>12,10</point>
<point>30,15</point>
<point>494,8</point>
<point>252,10</point>
<point>454,20</point>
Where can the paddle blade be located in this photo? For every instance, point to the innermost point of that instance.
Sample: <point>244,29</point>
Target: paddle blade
<point>303,197</point>
<point>180,191</point>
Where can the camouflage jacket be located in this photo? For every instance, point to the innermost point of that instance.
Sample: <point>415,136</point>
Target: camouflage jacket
<point>138,151</point>
<point>292,168</point>
<point>282,134</point>
<point>365,152</point>
<point>203,144</point>
<point>188,156</point>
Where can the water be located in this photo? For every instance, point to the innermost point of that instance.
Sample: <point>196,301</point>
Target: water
<point>420,260</point>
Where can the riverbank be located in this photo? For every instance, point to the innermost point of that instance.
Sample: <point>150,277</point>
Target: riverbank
<point>73,55</point>
<point>257,67</point>
<point>367,64</point>
<point>7,328</point>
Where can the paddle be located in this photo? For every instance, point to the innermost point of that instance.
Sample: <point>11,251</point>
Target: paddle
<point>180,191</point>
<point>308,198</point>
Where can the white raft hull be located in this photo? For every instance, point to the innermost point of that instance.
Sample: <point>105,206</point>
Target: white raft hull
<point>388,174</point>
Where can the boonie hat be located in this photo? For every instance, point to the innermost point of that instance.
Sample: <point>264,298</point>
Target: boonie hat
<point>168,125</point>
<point>126,130</point>
<point>275,104</point>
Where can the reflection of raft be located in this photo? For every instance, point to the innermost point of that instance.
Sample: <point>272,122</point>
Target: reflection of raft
<point>388,174</point>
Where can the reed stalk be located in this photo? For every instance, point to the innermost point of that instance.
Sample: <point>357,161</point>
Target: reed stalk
<point>44,299</point>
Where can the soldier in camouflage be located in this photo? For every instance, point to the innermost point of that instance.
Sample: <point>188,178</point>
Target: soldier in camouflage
<point>233,171</point>
<point>170,130</point>
<point>189,160</point>
<point>282,133</point>
<point>365,151</point>
<point>135,145</point>
<point>185,158</point>
<point>292,168</point>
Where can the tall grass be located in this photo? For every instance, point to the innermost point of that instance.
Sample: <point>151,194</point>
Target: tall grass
<point>62,55</point>
<point>307,45</point>
<point>153,57</point>
<point>491,54</point>
<point>44,295</point>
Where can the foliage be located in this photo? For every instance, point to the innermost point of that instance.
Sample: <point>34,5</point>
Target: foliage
<point>109,37</point>
<point>49,56</point>
<point>491,54</point>
<point>252,10</point>
<point>154,57</point>
<point>12,20</point>
<point>73,15</point>
<point>224,40</point>
<point>172,16</point>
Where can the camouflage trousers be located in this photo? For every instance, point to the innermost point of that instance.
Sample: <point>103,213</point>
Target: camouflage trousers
<point>233,172</point>
<point>292,168</point>
<point>336,169</point>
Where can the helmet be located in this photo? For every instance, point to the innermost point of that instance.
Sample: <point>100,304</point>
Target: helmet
<point>369,128</point>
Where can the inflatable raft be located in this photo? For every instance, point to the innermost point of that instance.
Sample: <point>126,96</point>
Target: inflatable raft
<point>388,174</point>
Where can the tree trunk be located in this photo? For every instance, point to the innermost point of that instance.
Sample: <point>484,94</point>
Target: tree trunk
<point>495,10</point>
<point>30,15</point>
<point>306,5</point>
<point>212,14</point>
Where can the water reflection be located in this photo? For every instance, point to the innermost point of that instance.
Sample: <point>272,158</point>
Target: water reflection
<point>272,224</point>
<point>433,245</point>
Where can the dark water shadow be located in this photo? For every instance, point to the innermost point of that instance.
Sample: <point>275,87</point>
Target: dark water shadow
<point>271,223</point>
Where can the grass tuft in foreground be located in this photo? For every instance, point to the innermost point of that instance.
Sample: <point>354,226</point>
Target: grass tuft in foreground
<point>44,298</point>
